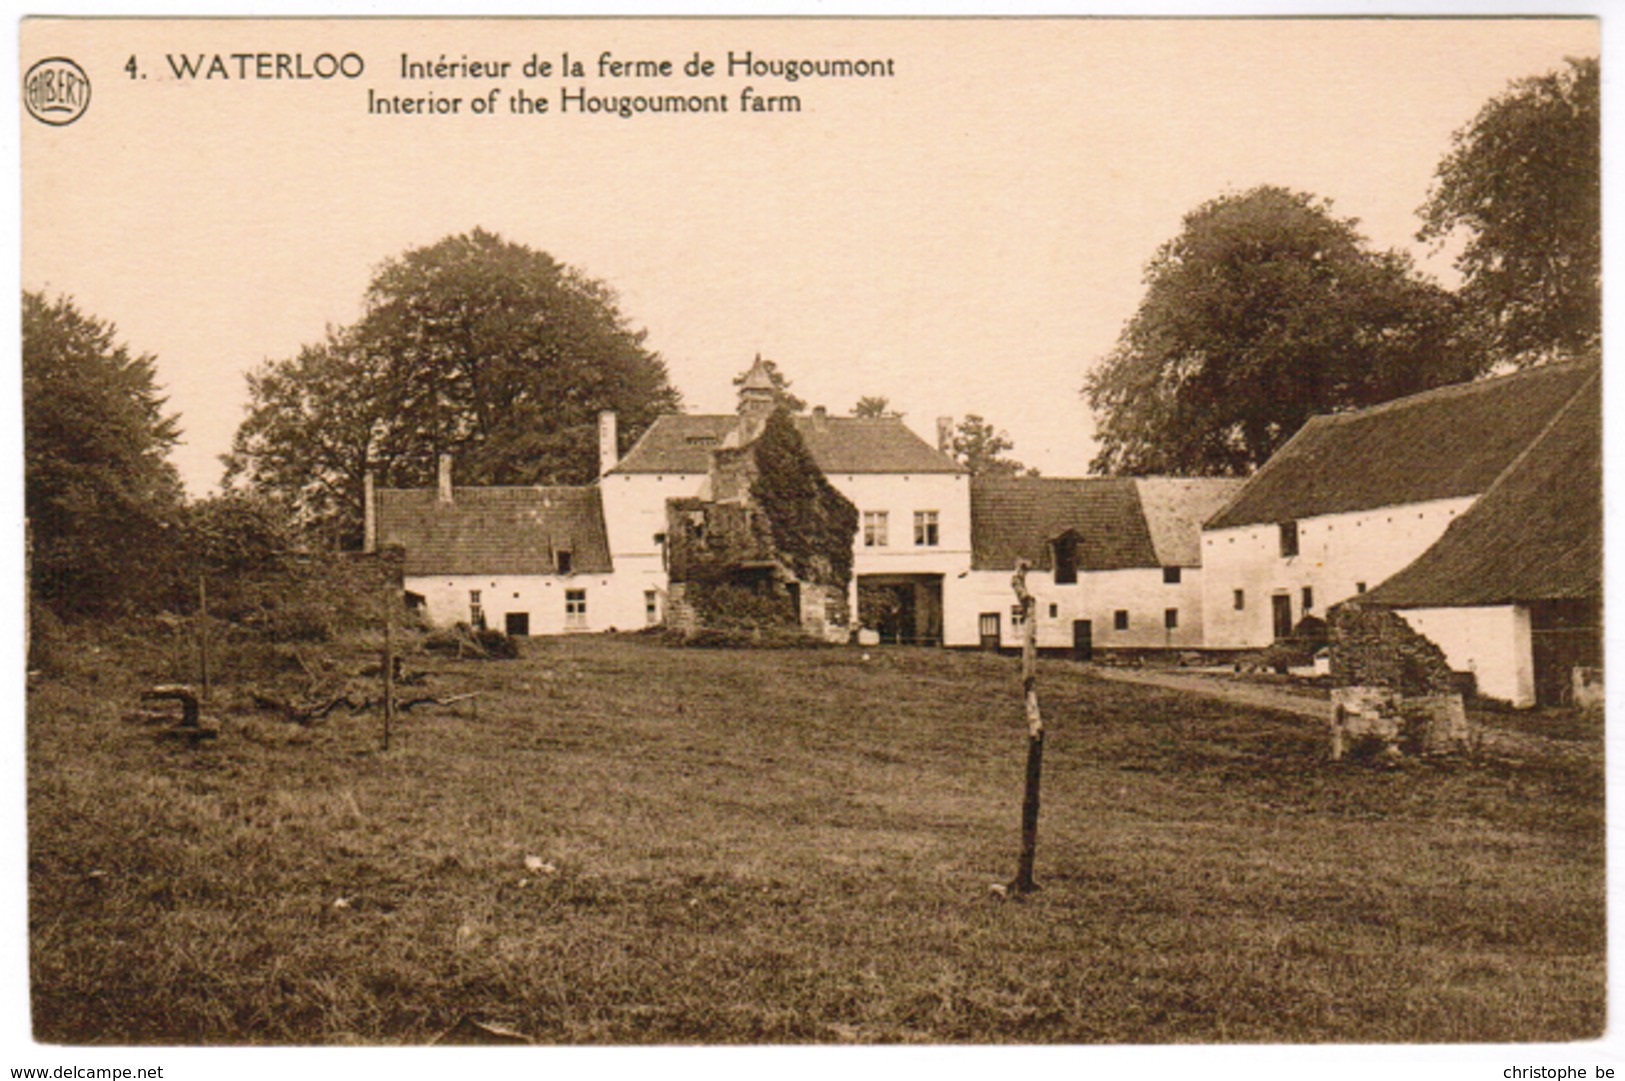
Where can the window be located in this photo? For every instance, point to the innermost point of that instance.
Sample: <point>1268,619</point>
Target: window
<point>1359,587</point>
<point>1289,539</point>
<point>1066,558</point>
<point>1054,610</point>
<point>1241,600</point>
<point>476,610</point>
<point>874,529</point>
<point>1170,576</point>
<point>1170,618</point>
<point>651,607</point>
<point>1308,598</point>
<point>565,560</point>
<point>575,609</point>
<point>1120,619</point>
<point>925,529</point>
<point>660,540</point>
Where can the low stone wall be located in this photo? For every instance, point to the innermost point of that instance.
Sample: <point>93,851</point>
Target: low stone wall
<point>1395,723</point>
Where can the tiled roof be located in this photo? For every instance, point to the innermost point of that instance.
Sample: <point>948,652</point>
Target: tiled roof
<point>495,530</point>
<point>681,443</point>
<point>1441,444</point>
<point>1014,518</point>
<point>1535,535</point>
<point>1176,507</point>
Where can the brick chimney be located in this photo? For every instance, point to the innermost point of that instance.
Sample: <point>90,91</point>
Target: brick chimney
<point>369,512</point>
<point>445,479</point>
<point>820,418</point>
<point>608,451</point>
<point>945,434</point>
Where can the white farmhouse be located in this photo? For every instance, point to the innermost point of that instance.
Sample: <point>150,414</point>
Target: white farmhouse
<point>913,500</point>
<point>1115,562</point>
<point>1354,498</point>
<point>525,560</point>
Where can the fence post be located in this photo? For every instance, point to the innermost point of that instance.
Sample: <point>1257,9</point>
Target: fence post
<point>389,664</point>
<point>1035,731</point>
<point>203,633</point>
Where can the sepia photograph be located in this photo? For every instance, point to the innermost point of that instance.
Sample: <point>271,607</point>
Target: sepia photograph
<point>1041,531</point>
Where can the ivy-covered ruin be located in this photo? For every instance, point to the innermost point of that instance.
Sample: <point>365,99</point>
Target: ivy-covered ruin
<point>768,547</point>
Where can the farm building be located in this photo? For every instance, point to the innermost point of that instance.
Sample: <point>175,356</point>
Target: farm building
<point>913,500</point>
<point>590,558</point>
<point>525,560</point>
<point>1115,562</point>
<point>1353,498</point>
<point>1512,591</point>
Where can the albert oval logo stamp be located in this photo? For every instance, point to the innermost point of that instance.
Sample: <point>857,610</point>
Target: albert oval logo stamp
<point>56,91</point>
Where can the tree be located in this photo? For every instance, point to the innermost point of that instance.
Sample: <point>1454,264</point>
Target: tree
<point>1265,310</point>
<point>473,346</point>
<point>980,448</point>
<point>872,406</point>
<point>787,401</point>
<point>100,492</point>
<point>308,437</point>
<point>1523,181</point>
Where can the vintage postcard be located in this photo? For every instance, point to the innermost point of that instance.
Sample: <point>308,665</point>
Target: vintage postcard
<point>812,531</point>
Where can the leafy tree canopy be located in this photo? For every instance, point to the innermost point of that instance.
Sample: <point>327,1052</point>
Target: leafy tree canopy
<point>980,447</point>
<point>473,346</point>
<point>871,406</point>
<point>787,401</point>
<point>100,492</point>
<point>1523,184</point>
<point>1265,310</point>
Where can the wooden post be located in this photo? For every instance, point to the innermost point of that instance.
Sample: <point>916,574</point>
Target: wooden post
<point>203,633</point>
<point>1035,731</point>
<point>389,663</point>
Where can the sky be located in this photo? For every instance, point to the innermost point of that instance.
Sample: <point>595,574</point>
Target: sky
<point>964,236</point>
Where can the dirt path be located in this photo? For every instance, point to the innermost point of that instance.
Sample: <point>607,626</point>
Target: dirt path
<point>1246,694</point>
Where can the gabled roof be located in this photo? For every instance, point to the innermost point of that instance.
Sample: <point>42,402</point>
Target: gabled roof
<point>1535,535</point>
<point>495,530</point>
<point>682,442</point>
<point>1440,444</point>
<point>1176,507</point>
<point>1014,518</point>
<point>758,377</point>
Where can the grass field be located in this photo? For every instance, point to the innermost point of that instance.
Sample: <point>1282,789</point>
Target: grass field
<point>797,846</point>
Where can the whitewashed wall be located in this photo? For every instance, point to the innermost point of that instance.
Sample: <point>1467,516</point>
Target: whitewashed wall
<point>1336,552</point>
<point>900,495</point>
<point>1097,597</point>
<point>609,603</point>
<point>1494,644</point>
<point>635,510</point>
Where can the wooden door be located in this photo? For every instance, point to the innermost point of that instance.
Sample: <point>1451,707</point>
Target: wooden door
<point>1281,609</point>
<point>988,628</point>
<point>1083,640</point>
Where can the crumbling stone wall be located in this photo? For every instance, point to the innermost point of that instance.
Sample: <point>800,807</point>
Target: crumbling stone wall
<point>1373,646</point>
<point>1394,690</point>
